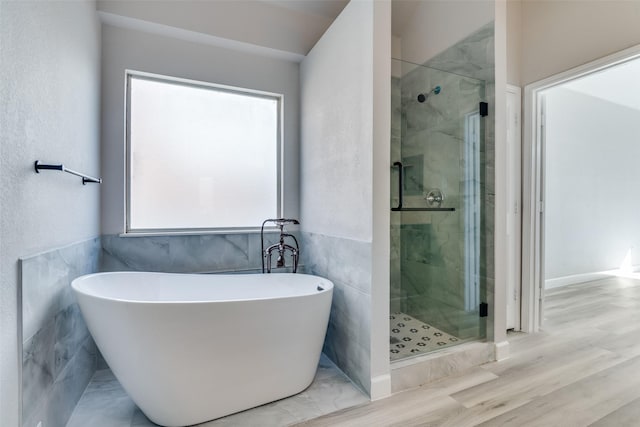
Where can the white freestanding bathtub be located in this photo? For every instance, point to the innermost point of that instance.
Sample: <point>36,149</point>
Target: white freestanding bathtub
<point>189,348</point>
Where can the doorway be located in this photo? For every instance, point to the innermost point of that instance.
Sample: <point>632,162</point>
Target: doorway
<point>566,194</point>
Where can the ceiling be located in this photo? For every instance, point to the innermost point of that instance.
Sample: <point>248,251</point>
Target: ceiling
<point>291,27</point>
<point>329,9</point>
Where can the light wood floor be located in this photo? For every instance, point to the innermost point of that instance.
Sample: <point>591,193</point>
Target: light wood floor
<point>582,370</point>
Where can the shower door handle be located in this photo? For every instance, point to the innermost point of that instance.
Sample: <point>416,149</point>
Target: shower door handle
<point>400,173</point>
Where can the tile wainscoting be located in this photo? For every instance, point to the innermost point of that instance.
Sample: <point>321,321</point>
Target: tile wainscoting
<point>347,263</point>
<point>60,357</point>
<point>206,253</point>
<point>58,354</point>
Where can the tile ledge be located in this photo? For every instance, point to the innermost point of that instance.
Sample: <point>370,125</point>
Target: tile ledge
<point>445,352</point>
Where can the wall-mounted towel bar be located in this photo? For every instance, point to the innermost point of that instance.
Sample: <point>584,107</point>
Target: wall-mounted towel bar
<point>85,178</point>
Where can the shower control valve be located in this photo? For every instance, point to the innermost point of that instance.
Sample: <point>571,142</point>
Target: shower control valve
<point>434,197</point>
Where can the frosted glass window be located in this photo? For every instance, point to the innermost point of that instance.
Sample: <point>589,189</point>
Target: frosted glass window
<point>200,156</point>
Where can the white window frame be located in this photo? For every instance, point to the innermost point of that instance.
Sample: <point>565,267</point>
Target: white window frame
<point>199,84</point>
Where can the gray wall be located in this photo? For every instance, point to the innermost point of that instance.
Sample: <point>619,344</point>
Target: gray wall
<point>50,55</point>
<point>130,49</point>
<point>592,193</point>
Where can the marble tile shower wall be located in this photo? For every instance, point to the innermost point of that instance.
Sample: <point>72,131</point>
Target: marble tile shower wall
<point>474,57</point>
<point>59,356</point>
<point>347,263</point>
<point>396,155</point>
<point>431,245</point>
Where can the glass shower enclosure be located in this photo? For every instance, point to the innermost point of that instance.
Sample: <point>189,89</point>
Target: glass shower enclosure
<point>438,282</point>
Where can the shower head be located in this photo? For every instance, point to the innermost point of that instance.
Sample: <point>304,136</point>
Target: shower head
<point>423,96</point>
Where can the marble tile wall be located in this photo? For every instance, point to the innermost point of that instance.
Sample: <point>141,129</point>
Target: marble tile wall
<point>347,263</point>
<point>207,253</point>
<point>450,361</point>
<point>396,155</point>
<point>431,246</point>
<point>58,354</point>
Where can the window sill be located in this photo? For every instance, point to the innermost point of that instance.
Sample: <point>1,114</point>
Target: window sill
<point>164,233</point>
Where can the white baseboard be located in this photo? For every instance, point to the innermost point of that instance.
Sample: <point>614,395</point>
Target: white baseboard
<point>501,350</point>
<point>380,387</point>
<point>558,282</point>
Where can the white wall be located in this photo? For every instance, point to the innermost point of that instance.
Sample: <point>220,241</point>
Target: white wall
<point>49,57</point>
<point>592,193</point>
<point>437,25</point>
<point>130,49</point>
<point>560,35</point>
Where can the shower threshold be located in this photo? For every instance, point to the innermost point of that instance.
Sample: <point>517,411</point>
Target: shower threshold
<point>412,337</point>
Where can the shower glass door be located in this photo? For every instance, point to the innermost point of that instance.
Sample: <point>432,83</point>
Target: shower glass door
<point>437,258</point>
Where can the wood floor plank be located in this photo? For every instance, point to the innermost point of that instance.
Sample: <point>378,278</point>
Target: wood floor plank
<point>581,370</point>
<point>580,403</point>
<point>400,409</point>
<point>626,416</point>
<point>538,377</point>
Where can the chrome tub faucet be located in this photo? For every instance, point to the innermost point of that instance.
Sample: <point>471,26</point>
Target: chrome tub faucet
<point>281,247</point>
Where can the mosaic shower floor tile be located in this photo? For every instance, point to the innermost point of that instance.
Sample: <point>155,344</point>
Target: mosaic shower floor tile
<point>410,337</point>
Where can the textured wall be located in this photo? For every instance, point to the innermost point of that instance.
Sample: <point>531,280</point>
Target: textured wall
<point>128,49</point>
<point>336,134</point>
<point>50,59</point>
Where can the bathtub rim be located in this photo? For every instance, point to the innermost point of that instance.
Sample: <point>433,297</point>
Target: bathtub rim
<point>75,285</point>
